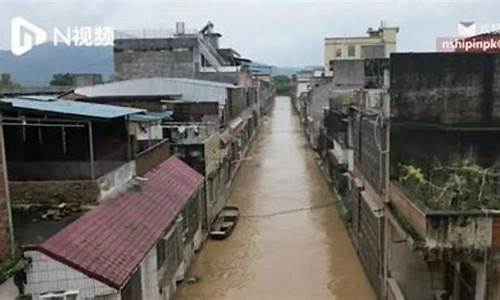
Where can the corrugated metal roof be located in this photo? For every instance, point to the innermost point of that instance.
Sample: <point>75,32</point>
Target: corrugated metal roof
<point>152,116</point>
<point>110,242</point>
<point>189,89</point>
<point>69,107</point>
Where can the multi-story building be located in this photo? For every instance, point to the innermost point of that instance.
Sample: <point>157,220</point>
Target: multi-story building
<point>379,43</point>
<point>421,190</point>
<point>187,54</point>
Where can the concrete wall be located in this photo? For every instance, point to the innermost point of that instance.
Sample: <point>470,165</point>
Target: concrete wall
<point>58,170</point>
<point>445,88</point>
<point>152,157</point>
<point>72,191</point>
<point>237,78</point>
<point>238,101</point>
<point>319,98</point>
<point>116,180</point>
<point>54,192</point>
<point>349,72</point>
<point>409,269</point>
<point>8,289</point>
<point>360,73</point>
<point>140,58</point>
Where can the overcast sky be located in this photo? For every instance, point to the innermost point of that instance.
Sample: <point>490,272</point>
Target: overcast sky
<point>280,32</point>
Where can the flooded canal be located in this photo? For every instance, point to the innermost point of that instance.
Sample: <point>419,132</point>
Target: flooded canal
<point>290,242</point>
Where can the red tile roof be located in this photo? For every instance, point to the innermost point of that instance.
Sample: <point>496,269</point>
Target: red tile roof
<point>109,242</point>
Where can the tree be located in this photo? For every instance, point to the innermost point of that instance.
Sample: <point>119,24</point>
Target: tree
<point>284,85</point>
<point>62,79</point>
<point>6,82</point>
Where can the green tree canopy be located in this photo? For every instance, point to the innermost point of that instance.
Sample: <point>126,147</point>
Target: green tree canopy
<point>62,79</point>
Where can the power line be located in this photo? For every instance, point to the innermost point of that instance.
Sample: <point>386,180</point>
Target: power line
<point>290,211</point>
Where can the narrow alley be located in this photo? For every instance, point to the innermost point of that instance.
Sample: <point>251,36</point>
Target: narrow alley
<point>290,242</point>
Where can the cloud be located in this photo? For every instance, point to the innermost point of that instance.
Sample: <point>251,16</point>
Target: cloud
<point>282,32</point>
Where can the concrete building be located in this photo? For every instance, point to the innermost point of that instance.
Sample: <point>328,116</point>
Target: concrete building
<point>439,117</point>
<point>132,247</point>
<point>379,43</point>
<point>447,104</point>
<point>210,124</point>
<point>184,54</point>
<point>85,79</point>
<point>57,147</point>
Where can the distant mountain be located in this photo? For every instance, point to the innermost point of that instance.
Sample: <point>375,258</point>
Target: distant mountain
<point>36,67</point>
<point>287,71</point>
<point>274,70</point>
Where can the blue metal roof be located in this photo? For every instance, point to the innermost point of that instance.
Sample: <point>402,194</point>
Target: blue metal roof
<point>151,116</point>
<point>69,107</point>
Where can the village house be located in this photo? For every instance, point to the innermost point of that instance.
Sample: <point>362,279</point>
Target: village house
<point>379,43</point>
<point>447,219</point>
<point>145,242</point>
<point>65,149</point>
<point>208,124</point>
<point>181,53</point>
<point>415,167</point>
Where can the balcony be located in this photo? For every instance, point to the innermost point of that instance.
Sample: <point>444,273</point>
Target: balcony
<point>456,231</point>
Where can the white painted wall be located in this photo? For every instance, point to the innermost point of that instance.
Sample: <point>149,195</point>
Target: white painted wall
<point>146,131</point>
<point>8,290</point>
<point>116,180</point>
<point>45,274</point>
<point>149,276</point>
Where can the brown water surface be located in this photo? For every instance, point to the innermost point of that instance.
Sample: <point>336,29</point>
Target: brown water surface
<point>280,249</point>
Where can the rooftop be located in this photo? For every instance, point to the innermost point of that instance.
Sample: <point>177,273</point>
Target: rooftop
<point>189,89</point>
<point>109,242</point>
<point>68,107</point>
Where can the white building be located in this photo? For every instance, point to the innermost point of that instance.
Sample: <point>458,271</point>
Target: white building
<point>379,43</point>
<point>132,247</point>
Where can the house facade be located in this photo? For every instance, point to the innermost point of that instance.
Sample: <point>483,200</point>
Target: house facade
<point>146,241</point>
<point>379,43</point>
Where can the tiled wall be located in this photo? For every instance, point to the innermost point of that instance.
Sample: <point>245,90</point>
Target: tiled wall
<point>47,275</point>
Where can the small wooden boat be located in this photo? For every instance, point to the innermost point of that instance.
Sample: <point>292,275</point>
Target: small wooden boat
<point>225,222</point>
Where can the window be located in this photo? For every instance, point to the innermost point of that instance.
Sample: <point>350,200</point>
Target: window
<point>338,52</point>
<point>330,63</point>
<point>351,51</point>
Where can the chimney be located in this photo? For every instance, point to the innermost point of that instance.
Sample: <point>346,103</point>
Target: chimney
<point>179,28</point>
<point>6,231</point>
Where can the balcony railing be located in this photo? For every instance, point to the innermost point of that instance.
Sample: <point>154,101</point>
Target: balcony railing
<point>459,231</point>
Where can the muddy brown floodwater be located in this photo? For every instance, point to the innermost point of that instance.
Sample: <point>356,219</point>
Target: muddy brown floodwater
<point>280,249</point>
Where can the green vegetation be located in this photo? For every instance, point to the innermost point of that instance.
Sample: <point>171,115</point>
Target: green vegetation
<point>61,79</point>
<point>9,267</point>
<point>6,82</point>
<point>459,186</point>
<point>284,85</point>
